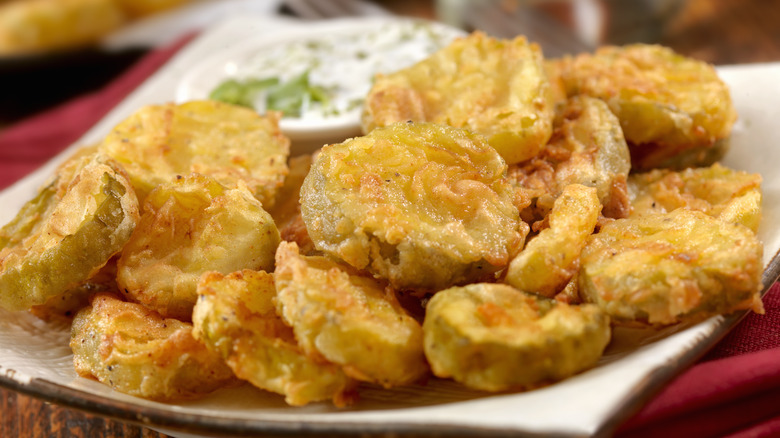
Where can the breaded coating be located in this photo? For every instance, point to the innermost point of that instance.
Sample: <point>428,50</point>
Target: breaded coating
<point>142,8</point>
<point>191,226</point>
<point>287,205</point>
<point>37,26</point>
<point>587,147</point>
<point>494,87</point>
<point>63,236</point>
<point>550,259</point>
<point>672,267</point>
<point>730,195</point>
<point>348,318</point>
<point>136,351</point>
<point>235,316</point>
<point>675,111</point>
<point>552,67</point>
<point>227,142</point>
<point>63,307</point>
<point>423,205</point>
<point>287,208</point>
<point>493,337</point>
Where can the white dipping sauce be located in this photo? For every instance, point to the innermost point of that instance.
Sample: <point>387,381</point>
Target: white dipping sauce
<point>344,64</point>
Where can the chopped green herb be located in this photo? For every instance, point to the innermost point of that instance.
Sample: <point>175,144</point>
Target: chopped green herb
<point>319,94</point>
<point>242,93</point>
<point>338,88</point>
<point>289,97</point>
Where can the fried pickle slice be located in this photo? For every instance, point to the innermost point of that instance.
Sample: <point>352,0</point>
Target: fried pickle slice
<point>423,205</point>
<point>191,226</point>
<point>348,318</point>
<point>675,111</point>
<point>64,235</point>
<point>287,205</point>
<point>63,307</point>
<point>142,8</point>
<point>236,316</point>
<point>552,67</point>
<point>287,209</point>
<point>37,26</point>
<point>550,259</point>
<point>493,337</point>
<point>666,268</point>
<point>494,87</point>
<point>587,147</point>
<point>229,143</point>
<point>136,351</point>
<point>730,195</point>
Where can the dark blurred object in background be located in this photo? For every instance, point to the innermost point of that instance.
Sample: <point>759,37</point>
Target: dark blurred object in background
<point>726,31</point>
<point>55,50</point>
<point>715,31</point>
<point>638,21</point>
<point>29,84</point>
<point>565,27</point>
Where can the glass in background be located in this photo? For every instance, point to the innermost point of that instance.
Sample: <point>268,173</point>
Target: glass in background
<point>564,26</point>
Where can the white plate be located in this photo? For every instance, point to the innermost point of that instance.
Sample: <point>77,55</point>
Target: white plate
<point>166,27</point>
<point>336,56</point>
<point>35,358</point>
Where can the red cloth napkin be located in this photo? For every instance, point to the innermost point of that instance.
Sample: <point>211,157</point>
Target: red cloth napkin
<point>30,143</point>
<point>734,391</point>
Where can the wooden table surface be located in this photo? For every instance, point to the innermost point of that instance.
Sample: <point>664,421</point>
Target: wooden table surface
<point>717,31</point>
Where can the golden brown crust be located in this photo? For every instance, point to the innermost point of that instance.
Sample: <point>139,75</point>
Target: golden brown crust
<point>672,109</point>
<point>235,316</point>
<point>191,226</point>
<point>67,233</point>
<point>63,307</point>
<point>157,143</point>
<point>286,211</point>
<point>732,196</point>
<point>550,259</point>
<point>142,8</point>
<point>423,205</point>
<point>666,268</point>
<point>494,87</point>
<point>348,318</point>
<point>587,147</point>
<point>493,337</point>
<point>136,351</point>
<point>36,26</point>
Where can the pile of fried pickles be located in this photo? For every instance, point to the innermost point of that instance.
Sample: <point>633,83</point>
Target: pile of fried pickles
<point>501,214</point>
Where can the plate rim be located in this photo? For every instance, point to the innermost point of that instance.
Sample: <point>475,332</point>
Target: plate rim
<point>149,416</point>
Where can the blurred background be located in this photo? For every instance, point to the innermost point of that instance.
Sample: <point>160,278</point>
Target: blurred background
<point>54,50</point>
